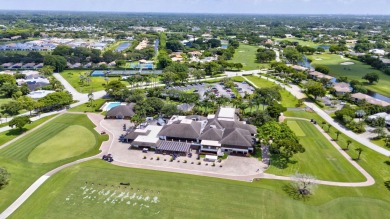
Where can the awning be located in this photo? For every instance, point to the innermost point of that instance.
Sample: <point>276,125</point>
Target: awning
<point>173,146</point>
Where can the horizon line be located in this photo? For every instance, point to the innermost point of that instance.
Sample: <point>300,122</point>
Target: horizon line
<point>174,12</point>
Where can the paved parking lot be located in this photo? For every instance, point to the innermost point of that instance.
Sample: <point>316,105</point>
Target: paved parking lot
<point>202,88</point>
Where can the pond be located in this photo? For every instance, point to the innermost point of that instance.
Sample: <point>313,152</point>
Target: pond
<point>378,96</point>
<point>305,63</point>
<point>326,47</point>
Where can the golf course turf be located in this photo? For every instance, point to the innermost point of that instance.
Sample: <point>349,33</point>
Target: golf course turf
<point>14,157</point>
<point>246,55</point>
<point>152,194</point>
<point>320,159</point>
<point>72,141</point>
<point>353,72</point>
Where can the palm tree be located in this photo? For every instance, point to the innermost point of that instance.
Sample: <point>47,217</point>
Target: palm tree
<point>90,99</point>
<point>359,150</point>
<point>348,143</point>
<point>337,135</point>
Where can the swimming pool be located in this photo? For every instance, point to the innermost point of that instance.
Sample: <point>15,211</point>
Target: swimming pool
<point>109,105</point>
<point>98,73</point>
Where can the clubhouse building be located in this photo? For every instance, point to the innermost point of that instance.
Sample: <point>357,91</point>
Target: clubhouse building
<point>215,134</point>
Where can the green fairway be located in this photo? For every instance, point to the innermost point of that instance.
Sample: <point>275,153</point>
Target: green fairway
<point>15,156</point>
<point>355,71</point>
<point>288,100</point>
<point>320,159</point>
<point>152,194</point>
<point>96,84</point>
<point>246,55</point>
<point>300,41</point>
<point>297,129</point>
<point>72,141</point>
<point>13,133</point>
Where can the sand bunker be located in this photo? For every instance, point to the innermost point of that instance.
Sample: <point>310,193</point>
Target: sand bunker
<point>347,63</point>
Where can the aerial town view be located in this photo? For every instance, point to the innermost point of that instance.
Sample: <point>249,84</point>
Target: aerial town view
<point>195,109</point>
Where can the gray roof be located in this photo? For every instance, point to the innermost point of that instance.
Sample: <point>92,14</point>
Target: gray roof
<point>133,134</point>
<point>231,125</point>
<point>212,134</point>
<point>181,130</point>
<point>237,137</point>
<point>173,146</point>
<point>122,110</point>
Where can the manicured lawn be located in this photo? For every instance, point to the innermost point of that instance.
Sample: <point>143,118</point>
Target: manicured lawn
<point>155,195</point>
<point>300,41</point>
<point>15,156</point>
<point>70,142</point>
<point>96,84</point>
<point>13,133</point>
<point>320,159</point>
<point>246,55</point>
<point>85,108</point>
<point>288,100</point>
<point>188,196</point>
<point>355,71</point>
<point>381,142</point>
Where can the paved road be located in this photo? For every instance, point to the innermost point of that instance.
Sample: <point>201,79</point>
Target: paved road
<point>277,55</point>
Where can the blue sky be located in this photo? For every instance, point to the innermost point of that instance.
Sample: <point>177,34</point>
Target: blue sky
<point>208,6</point>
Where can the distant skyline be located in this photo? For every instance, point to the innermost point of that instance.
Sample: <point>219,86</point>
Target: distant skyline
<point>370,7</point>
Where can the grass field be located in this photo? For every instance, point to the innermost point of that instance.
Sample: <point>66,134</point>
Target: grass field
<point>246,55</point>
<point>96,84</point>
<point>320,159</point>
<point>13,133</point>
<point>296,127</point>
<point>355,71</point>
<point>70,142</point>
<point>188,196</point>
<point>67,195</point>
<point>85,108</point>
<point>301,42</point>
<point>288,100</point>
<point>15,156</point>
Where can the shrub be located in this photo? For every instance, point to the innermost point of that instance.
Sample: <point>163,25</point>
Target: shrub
<point>4,177</point>
<point>158,158</point>
<point>199,163</point>
<point>144,157</point>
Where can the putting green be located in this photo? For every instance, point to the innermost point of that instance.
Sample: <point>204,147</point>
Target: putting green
<point>72,141</point>
<point>296,128</point>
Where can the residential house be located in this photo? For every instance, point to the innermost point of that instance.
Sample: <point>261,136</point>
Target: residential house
<point>342,88</point>
<point>364,97</point>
